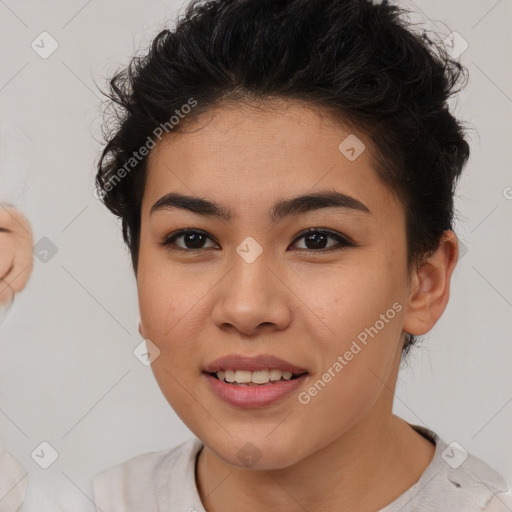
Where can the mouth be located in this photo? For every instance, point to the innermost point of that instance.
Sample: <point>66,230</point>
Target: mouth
<point>253,382</point>
<point>255,378</point>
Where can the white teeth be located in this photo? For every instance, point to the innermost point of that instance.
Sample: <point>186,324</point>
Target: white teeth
<point>258,377</point>
<point>229,376</point>
<point>243,377</point>
<point>275,374</point>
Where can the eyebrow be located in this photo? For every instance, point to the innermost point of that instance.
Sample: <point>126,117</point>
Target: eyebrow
<point>284,208</point>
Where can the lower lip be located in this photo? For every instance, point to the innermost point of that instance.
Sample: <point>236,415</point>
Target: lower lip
<point>253,396</point>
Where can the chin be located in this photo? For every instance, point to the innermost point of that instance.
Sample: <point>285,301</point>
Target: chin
<point>249,453</point>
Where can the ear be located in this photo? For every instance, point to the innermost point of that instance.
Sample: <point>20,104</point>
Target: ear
<point>430,287</point>
<point>16,258</point>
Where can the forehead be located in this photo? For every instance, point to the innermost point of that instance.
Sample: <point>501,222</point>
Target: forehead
<point>245,157</point>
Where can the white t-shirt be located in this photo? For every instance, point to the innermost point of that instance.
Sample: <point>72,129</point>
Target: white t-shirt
<point>165,482</point>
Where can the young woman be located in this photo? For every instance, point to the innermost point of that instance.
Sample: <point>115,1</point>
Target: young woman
<point>284,172</point>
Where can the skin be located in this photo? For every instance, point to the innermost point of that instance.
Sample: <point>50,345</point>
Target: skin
<point>16,258</point>
<point>303,307</point>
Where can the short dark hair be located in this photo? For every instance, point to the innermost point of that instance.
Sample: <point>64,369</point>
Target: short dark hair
<point>356,59</point>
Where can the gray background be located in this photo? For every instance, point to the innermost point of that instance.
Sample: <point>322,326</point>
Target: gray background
<point>67,372</point>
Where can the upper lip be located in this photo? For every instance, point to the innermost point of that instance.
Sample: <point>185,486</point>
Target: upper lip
<point>252,363</point>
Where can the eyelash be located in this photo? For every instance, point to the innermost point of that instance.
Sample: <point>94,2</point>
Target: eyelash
<point>343,242</point>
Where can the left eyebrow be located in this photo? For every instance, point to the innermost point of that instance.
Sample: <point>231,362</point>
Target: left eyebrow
<point>285,208</point>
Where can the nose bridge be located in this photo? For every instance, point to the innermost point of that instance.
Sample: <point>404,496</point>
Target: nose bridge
<point>252,272</point>
<point>252,294</point>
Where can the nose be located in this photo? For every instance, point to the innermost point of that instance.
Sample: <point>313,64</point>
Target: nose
<point>253,299</point>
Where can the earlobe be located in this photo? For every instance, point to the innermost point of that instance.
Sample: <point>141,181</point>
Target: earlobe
<point>430,287</point>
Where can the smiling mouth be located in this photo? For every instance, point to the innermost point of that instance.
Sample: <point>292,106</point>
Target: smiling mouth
<point>254,389</point>
<point>257,378</point>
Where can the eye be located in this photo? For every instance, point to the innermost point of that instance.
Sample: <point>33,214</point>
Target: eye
<point>194,240</point>
<point>317,237</point>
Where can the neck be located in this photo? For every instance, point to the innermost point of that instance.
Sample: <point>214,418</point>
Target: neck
<point>383,454</point>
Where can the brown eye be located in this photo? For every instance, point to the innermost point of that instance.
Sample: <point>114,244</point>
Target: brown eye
<point>193,240</point>
<point>316,239</point>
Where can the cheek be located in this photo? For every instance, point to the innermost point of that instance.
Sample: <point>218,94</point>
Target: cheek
<point>169,298</point>
<point>170,321</point>
<point>347,299</point>
<point>360,308</point>
<point>172,312</point>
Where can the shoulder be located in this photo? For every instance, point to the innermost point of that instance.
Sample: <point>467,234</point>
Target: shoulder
<point>501,502</point>
<point>144,481</point>
<point>456,478</point>
<point>481,484</point>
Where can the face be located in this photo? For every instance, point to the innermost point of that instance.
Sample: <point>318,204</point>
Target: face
<point>330,303</point>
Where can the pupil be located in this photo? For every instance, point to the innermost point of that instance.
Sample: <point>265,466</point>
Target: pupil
<point>317,243</point>
<point>189,238</point>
